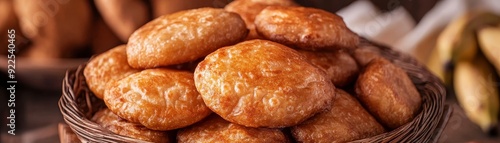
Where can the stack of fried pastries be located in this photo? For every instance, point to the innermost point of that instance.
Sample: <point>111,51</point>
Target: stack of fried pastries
<point>197,76</point>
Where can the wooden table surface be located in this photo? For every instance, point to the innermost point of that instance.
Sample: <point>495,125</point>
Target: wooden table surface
<point>460,129</point>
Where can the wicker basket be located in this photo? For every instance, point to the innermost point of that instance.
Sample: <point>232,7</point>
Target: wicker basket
<point>78,104</point>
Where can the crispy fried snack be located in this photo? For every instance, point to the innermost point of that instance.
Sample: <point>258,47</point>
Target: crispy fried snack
<point>259,83</point>
<point>338,65</point>
<point>103,37</point>
<point>163,7</point>
<point>364,55</point>
<point>215,129</point>
<point>117,125</point>
<point>189,66</point>
<point>305,28</point>
<point>160,99</point>
<point>57,29</point>
<point>388,93</point>
<point>346,121</point>
<point>123,16</point>
<point>107,68</point>
<point>9,21</point>
<point>248,9</point>
<point>184,36</point>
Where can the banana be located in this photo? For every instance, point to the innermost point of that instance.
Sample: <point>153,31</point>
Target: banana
<point>476,91</point>
<point>489,41</point>
<point>457,59</point>
<point>458,40</point>
<point>434,65</point>
<point>445,43</point>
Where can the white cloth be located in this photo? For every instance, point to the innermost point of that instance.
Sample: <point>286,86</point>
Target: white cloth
<point>397,28</point>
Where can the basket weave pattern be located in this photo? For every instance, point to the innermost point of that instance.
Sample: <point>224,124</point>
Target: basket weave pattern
<point>78,104</point>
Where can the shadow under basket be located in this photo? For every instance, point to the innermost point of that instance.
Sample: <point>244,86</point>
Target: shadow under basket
<point>78,104</point>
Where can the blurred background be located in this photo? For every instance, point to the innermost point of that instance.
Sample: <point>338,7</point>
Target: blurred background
<point>52,36</point>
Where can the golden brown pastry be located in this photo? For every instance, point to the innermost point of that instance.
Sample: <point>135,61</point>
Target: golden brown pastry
<point>57,29</point>
<point>184,36</point>
<point>124,16</point>
<point>103,38</point>
<point>388,93</point>
<point>8,21</point>
<point>346,121</point>
<point>163,7</point>
<point>305,28</point>
<point>365,54</point>
<point>105,69</point>
<point>189,66</point>
<point>259,83</point>
<point>112,122</point>
<point>248,9</point>
<point>338,65</point>
<point>160,99</point>
<point>215,129</point>
<point>7,15</point>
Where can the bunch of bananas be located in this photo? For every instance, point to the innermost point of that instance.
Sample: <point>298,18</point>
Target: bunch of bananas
<point>467,58</point>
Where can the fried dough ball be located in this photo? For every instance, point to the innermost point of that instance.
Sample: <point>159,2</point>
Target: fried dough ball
<point>105,69</point>
<point>215,129</point>
<point>388,93</point>
<point>305,28</point>
<point>56,28</point>
<point>8,23</point>
<point>346,121</point>
<point>184,36</point>
<point>248,9</point>
<point>162,7</point>
<point>112,122</point>
<point>103,37</point>
<point>365,54</point>
<point>259,83</point>
<point>160,99</point>
<point>189,66</point>
<point>339,66</point>
<point>8,17</point>
<point>123,16</point>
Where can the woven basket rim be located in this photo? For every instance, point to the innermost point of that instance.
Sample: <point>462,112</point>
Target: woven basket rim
<point>79,120</point>
<point>77,104</point>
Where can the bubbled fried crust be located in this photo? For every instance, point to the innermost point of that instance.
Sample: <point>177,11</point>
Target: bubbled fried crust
<point>160,99</point>
<point>346,121</point>
<point>364,55</point>
<point>305,28</point>
<point>260,83</point>
<point>184,36</point>
<point>388,93</point>
<point>215,129</point>
<point>112,122</point>
<point>107,68</point>
<point>248,9</point>
<point>339,66</point>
